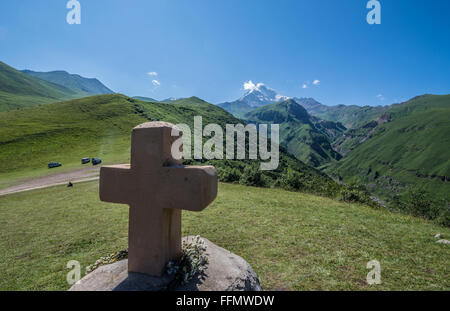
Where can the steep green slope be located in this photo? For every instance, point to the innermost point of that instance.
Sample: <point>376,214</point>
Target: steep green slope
<point>100,126</point>
<point>82,86</point>
<point>19,90</point>
<point>410,149</point>
<point>350,116</point>
<point>306,137</point>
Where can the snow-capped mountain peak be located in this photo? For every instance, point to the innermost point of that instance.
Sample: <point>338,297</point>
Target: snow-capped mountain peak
<point>259,94</point>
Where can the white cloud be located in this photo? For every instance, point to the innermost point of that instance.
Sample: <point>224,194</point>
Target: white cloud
<point>304,86</point>
<point>152,73</point>
<point>249,85</point>
<point>380,97</point>
<point>156,83</point>
<point>316,82</point>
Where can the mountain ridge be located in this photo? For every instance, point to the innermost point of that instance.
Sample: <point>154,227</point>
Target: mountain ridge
<point>22,89</point>
<point>307,137</point>
<point>259,95</point>
<point>18,90</point>
<point>256,96</point>
<point>75,82</point>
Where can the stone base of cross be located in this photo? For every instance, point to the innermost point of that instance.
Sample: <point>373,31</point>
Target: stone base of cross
<point>157,187</point>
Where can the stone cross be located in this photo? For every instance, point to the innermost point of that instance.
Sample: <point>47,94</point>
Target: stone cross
<point>156,187</point>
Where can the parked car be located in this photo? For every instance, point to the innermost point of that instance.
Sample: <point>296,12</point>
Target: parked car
<point>54,164</point>
<point>96,161</point>
<point>85,160</point>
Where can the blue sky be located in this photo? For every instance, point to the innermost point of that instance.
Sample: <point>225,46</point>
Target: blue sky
<point>209,48</point>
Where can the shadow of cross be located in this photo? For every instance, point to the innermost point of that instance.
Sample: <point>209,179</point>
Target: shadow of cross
<point>157,187</point>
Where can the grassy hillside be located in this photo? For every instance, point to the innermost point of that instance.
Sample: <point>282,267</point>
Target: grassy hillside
<point>304,136</point>
<point>145,99</point>
<point>100,126</point>
<point>82,86</point>
<point>237,108</point>
<point>356,136</point>
<point>411,149</point>
<point>350,116</point>
<point>19,90</point>
<point>293,241</point>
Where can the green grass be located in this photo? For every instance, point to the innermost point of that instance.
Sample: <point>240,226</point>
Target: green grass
<point>293,241</point>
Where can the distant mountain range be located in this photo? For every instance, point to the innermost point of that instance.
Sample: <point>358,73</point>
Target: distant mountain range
<point>390,149</point>
<point>261,95</point>
<point>146,99</point>
<point>25,89</point>
<point>77,83</point>
<point>152,100</point>
<point>350,116</point>
<point>308,128</point>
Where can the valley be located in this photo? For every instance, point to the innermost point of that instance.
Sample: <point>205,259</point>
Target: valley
<point>388,150</point>
<point>392,151</point>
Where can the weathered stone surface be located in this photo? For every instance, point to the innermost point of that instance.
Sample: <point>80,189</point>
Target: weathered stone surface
<point>225,272</point>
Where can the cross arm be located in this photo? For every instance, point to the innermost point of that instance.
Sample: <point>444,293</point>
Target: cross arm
<point>115,184</point>
<point>196,187</point>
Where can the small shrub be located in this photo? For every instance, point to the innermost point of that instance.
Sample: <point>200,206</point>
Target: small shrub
<point>252,176</point>
<point>292,180</point>
<point>228,175</point>
<point>420,204</point>
<point>444,216</point>
<point>355,193</point>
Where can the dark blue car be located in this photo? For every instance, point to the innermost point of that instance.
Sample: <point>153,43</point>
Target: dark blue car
<point>96,161</point>
<point>54,164</point>
<point>85,160</point>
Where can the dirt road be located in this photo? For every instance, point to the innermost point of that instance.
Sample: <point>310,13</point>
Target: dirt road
<point>84,174</point>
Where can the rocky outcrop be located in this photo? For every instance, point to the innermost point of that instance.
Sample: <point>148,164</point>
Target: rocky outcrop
<point>225,272</point>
